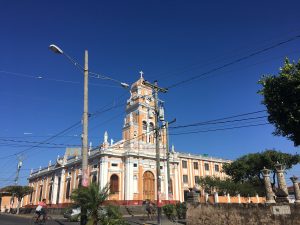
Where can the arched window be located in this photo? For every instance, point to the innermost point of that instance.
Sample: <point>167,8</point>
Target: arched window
<point>68,190</point>
<point>114,184</point>
<point>79,182</point>
<point>151,127</point>
<point>94,179</point>
<point>144,126</point>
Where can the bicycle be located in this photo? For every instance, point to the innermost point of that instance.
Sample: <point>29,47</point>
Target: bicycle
<point>36,220</point>
<point>150,211</point>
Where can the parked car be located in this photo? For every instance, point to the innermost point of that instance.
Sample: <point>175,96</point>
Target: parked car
<point>73,214</point>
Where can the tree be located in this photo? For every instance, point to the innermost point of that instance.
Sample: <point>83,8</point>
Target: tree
<point>19,192</point>
<point>246,169</point>
<point>282,98</point>
<point>91,198</point>
<point>227,186</point>
<point>208,183</point>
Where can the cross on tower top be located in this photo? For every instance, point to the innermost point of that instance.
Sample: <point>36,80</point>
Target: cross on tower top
<point>142,73</point>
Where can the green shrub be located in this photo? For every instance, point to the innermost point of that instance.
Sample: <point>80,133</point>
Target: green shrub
<point>113,216</point>
<point>181,209</point>
<point>170,211</point>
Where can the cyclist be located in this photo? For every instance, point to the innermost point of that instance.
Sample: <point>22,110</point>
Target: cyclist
<point>150,208</point>
<point>40,210</point>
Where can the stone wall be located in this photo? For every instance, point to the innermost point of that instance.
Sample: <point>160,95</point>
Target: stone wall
<point>243,214</point>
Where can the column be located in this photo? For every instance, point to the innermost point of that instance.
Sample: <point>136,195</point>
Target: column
<point>103,172</point>
<point>282,193</point>
<point>166,180</point>
<point>296,189</point>
<point>228,198</point>
<point>257,198</point>
<point>176,184</point>
<point>54,191</point>
<point>239,198</point>
<point>216,197</point>
<point>62,186</point>
<point>269,192</point>
<point>128,179</point>
<point>206,197</point>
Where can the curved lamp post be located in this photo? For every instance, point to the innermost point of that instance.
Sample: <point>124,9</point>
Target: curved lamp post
<point>85,177</point>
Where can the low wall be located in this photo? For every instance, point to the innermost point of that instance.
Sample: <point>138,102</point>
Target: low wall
<point>243,214</point>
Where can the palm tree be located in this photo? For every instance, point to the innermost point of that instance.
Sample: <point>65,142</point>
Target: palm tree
<point>19,192</point>
<point>90,198</point>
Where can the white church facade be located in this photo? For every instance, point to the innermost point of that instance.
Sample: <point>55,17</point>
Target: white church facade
<point>128,165</point>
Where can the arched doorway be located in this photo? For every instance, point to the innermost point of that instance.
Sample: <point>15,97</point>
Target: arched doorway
<point>148,186</point>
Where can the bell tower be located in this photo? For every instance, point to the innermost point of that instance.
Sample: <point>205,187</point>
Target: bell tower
<point>139,122</point>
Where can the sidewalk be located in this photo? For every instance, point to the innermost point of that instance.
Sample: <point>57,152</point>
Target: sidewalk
<point>141,221</point>
<point>56,217</point>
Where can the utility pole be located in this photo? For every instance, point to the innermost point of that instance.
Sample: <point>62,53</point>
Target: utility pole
<point>85,177</point>
<point>20,163</point>
<point>157,89</point>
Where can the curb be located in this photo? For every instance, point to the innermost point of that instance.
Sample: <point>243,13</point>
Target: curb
<point>60,217</point>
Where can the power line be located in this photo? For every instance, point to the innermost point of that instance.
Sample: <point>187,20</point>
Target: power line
<point>35,142</point>
<point>220,122</point>
<point>57,135</point>
<point>41,77</point>
<point>230,54</point>
<point>224,118</point>
<point>213,130</point>
<point>247,66</point>
<point>48,139</point>
<point>235,61</point>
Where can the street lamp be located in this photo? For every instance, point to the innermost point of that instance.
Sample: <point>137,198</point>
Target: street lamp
<point>57,50</point>
<point>84,137</point>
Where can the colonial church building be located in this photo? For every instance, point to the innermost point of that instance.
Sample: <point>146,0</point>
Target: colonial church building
<point>129,165</point>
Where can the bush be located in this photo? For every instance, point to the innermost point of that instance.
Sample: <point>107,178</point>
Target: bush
<point>181,209</point>
<point>113,216</point>
<point>170,211</point>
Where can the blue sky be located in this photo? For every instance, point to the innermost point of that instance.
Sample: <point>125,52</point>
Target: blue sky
<point>169,40</point>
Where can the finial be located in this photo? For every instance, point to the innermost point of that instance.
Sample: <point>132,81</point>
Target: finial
<point>105,137</point>
<point>141,73</point>
<point>173,148</point>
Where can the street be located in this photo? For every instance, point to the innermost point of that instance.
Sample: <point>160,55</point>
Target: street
<point>8,219</point>
<point>15,220</point>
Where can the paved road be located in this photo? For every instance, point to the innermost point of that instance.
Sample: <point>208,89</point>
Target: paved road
<point>25,220</point>
<point>16,220</point>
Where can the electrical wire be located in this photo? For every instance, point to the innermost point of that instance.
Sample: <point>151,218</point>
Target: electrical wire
<point>35,142</point>
<point>47,140</point>
<point>235,61</point>
<point>220,122</point>
<point>220,129</point>
<point>218,58</point>
<point>41,77</point>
